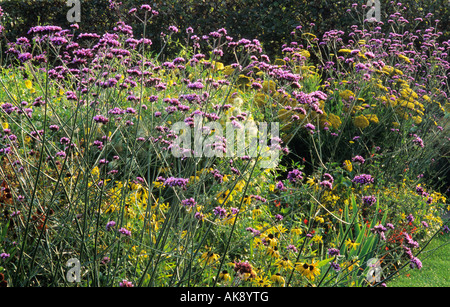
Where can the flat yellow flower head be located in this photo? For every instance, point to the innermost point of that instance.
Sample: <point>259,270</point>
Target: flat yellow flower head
<point>361,122</point>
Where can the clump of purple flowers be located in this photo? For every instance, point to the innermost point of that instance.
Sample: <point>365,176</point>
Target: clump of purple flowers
<point>190,202</point>
<point>369,200</point>
<point>380,229</point>
<point>110,225</point>
<point>358,159</point>
<point>363,179</point>
<point>125,232</point>
<point>220,212</point>
<point>176,182</point>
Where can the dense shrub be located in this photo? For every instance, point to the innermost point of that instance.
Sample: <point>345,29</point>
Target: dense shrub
<point>268,21</point>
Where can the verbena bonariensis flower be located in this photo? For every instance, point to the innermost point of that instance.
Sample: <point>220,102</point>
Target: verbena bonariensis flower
<point>295,176</point>
<point>358,159</point>
<point>369,200</point>
<point>190,202</point>
<point>363,179</point>
<point>176,182</point>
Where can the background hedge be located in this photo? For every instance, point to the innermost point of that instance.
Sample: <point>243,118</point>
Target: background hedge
<point>269,21</point>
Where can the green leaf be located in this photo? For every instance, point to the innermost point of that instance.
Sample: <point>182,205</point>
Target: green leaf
<point>324,262</point>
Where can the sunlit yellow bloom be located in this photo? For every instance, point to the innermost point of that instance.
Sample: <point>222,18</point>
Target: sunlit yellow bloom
<point>297,231</point>
<point>305,53</point>
<point>317,239</point>
<point>309,270</point>
<point>361,122</point>
<point>279,62</point>
<point>284,263</point>
<point>273,251</point>
<point>348,165</point>
<point>372,118</point>
<point>224,197</point>
<point>217,66</point>
<point>278,279</point>
<point>224,275</point>
<point>261,281</point>
<point>351,244</point>
<point>346,94</point>
<point>417,119</point>
<point>228,70</point>
<point>309,35</point>
<point>269,86</point>
<point>319,219</point>
<point>345,51</point>
<point>28,84</point>
<point>256,212</point>
<point>404,58</point>
<point>209,258</point>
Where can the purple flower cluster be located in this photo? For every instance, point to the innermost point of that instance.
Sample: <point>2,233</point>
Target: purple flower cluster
<point>190,202</point>
<point>220,212</point>
<point>125,232</point>
<point>110,225</point>
<point>363,179</point>
<point>176,182</point>
<point>369,200</point>
<point>380,229</point>
<point>295,176</point>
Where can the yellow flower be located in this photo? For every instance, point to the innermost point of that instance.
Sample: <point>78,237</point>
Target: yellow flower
<point>273,251</point>
<point>447,107</point>
<point>261,281</point>
<point>284,263</point>
<point>209,257</point>
<point>278,279</point>
<point>309,270</point>
<point>261,99</point>
<point>296,231</point>
<point>334,120</point>
<point>217,66</point>
<point>345,51</point>
<point>270,239</point>
<point>373,118</point>
<point>417,119</point>
<point>319,219</point>
<point>279,62</point>
<point>269,86</point>
<point>317,238</point>
<point>361,122</point>
<point>224,197</point>
<point>228,70</point>
<point>310,35</point>
<point>224,275</point>
<point>350,265</point>
<point>404,58</point>
<point>28,84</point>
<point>351,244</point>
<point>305,53</point>
<point>243,81</point>
<point>346,94</point>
